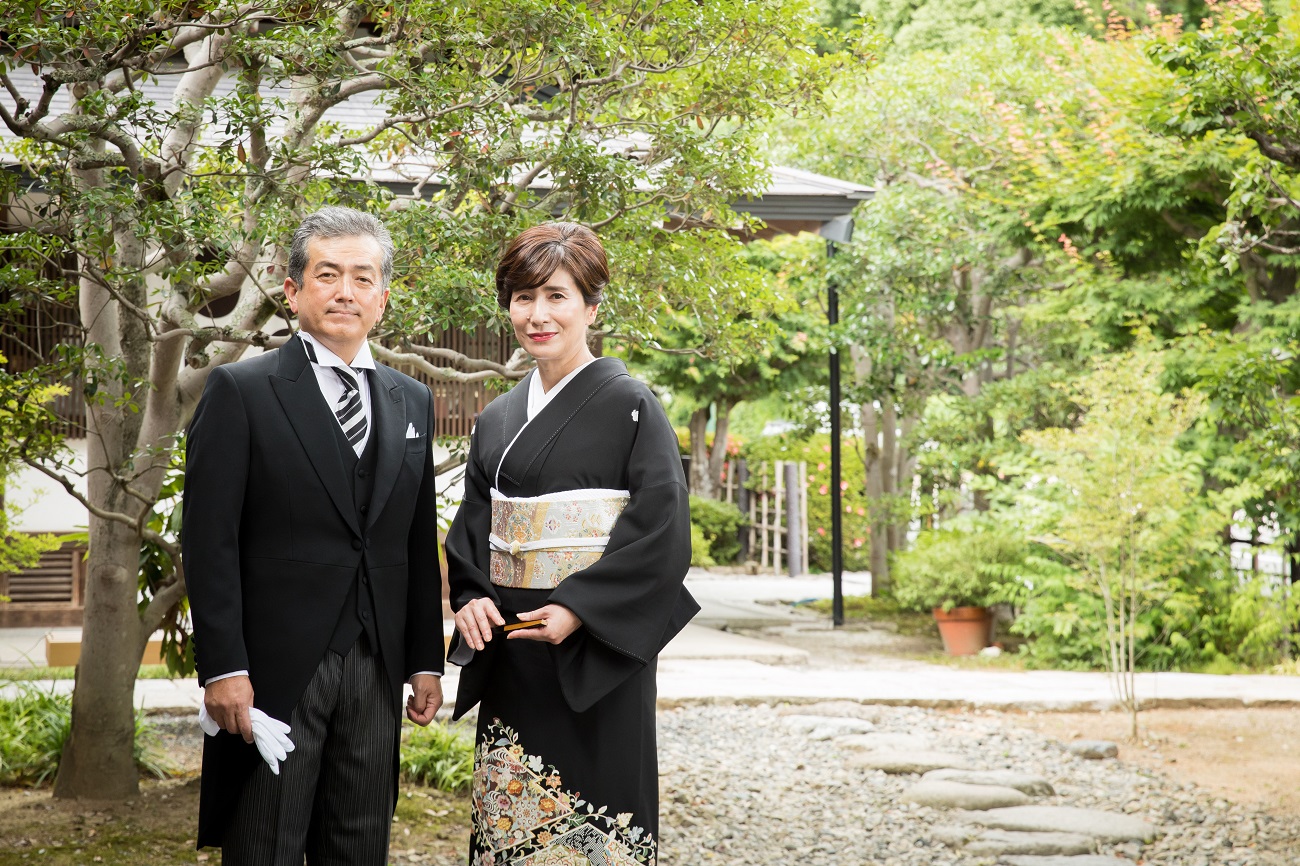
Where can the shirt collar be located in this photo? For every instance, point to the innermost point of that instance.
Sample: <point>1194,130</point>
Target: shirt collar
<point>325,358</point>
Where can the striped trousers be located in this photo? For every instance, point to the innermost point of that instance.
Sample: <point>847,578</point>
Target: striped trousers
<point>333,800</point>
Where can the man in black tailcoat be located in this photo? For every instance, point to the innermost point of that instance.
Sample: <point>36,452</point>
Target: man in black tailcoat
<point>310,551</point>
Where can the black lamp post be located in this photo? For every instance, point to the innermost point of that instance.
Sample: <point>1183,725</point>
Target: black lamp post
<point>838,230</point>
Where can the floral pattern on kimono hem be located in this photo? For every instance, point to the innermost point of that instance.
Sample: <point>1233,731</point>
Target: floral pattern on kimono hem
<point>523,816</point>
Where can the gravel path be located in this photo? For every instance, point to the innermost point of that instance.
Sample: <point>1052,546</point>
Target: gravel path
<point>782,786</point>
<point>751,785</point>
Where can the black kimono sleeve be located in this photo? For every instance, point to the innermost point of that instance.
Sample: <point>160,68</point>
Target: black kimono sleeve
<point>631,601</point>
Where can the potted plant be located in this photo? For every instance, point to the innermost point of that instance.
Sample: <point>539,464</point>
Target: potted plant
<point>957,572</point>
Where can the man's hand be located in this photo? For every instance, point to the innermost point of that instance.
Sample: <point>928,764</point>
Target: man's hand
<point>474,621</point>
<point>560,623</point>
<point>423,704</point>
<point>228,702</point>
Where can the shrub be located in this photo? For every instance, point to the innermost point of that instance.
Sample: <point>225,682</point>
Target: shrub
<point>1204,618</point>
<point>441,756</point>
<point>719,524</point>
<point>34,725</point>
<point>969,563</point>
<point>700,548</point>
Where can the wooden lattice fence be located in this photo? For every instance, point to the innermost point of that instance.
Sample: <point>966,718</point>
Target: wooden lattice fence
<point>774,496</point>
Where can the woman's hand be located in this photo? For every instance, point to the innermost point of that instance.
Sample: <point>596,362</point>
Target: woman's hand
<point>560,623</point>
<point>474,621</point>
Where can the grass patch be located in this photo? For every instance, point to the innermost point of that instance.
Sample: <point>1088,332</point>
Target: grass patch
<point>28,673</point>
<point>440,756</point>
<point>1290,668</point>
<point>34,725</point>
<point>864,608</point>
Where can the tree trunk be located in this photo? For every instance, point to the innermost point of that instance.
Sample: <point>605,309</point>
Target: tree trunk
<point>98,760</point>
<point>700,483</point>
<point>875,469</point>
<point>903,469</point>
<point>718,454</point>
<point>889,471</point>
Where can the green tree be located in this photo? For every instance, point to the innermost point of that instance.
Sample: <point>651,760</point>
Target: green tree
<point>1032,209</point>
<point>1121,502</point>
<point>1238,80</point>
<point>165,152</point>
<point>920,25</point>
<point>916,25</point>
<point>708,383</point>
<point>933,284</point>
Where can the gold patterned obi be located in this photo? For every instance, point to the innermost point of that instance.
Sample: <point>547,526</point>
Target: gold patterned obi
<point>538,541</point>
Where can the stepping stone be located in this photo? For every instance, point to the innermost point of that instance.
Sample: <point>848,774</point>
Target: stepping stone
<point>827,727</point>
<point>886,742</point>
<point>1034,786</point>
<point>1086,860</point>
<point>953,837</point>
<point>908,761</point>
<point>993,842</point>
<point>844,709</point>
<point>958,795</point>
<point>1093,749</point>
<point>1106,826</point>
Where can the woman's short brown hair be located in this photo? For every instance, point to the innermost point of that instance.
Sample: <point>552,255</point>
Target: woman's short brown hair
<point>540,251</point>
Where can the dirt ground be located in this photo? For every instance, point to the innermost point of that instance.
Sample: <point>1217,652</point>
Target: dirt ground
<point>1247,756</point>
<point>157,828</point>
<point>1244,755</point>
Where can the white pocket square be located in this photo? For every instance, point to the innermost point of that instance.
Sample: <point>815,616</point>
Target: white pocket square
<point>410,432</point>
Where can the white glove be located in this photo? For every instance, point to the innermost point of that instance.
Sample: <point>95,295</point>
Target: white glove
<point>271,736</point>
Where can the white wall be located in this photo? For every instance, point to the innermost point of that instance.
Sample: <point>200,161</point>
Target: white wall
<point>42,505</point>
<point>37,503</point>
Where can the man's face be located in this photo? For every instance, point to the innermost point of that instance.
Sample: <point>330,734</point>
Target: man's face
<point>342,293</point>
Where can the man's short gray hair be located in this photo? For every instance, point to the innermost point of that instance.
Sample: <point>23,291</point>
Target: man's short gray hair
<point>338,222</point>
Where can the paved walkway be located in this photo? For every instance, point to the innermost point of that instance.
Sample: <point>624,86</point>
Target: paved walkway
<point>706,663</point>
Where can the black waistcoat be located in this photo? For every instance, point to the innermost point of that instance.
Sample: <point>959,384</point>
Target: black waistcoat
<point>358,614</point>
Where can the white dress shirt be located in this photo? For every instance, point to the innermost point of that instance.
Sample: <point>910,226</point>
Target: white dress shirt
<point>331,386</point>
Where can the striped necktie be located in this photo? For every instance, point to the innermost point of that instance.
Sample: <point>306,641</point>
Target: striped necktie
<point>348,410</point>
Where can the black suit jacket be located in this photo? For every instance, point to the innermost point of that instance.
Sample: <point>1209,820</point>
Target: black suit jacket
<point>272,540</point>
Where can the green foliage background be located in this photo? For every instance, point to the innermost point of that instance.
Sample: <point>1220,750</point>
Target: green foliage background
<point>1065,193</point>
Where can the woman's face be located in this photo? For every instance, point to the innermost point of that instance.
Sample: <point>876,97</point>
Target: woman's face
<point>551,320</point>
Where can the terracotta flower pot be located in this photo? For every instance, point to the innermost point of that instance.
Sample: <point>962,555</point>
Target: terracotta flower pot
<point>964,630</point>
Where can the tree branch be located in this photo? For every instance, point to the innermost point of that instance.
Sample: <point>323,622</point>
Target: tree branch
<point>165,597</point>
<point>516,368</point>
<point>102,513</point>
<point>1187,231</point>
<point>1285,152</point>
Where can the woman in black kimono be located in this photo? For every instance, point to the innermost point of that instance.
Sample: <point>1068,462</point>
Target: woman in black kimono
<point>575,514</point>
